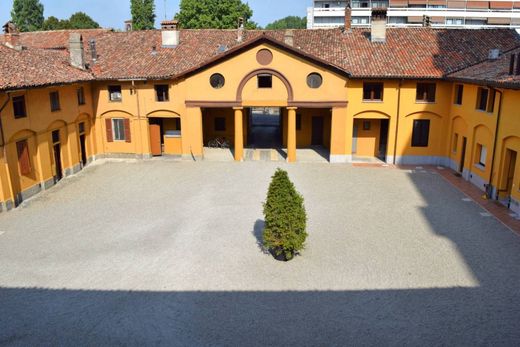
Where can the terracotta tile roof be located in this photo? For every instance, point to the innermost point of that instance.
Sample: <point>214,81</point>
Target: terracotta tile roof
<point>492,72</point>
<point>36,68</point>
<point>407,52</point>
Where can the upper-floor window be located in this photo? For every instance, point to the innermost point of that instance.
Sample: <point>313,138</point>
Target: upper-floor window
<point>81,96</point>
<point>459,91</point>
<point>19,107</point>
<point>421,133</point>
<point>114,93</point>
<point>265,81</point>
<point>55,101</point>
<point>425,92</point>
<point>162,92</point>
<point>372,91</point>
<point>486,99</point>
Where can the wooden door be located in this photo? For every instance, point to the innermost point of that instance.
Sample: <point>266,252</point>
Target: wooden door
<point>57,161</point>
<point>83,148</point>
<point>317,131</point>
<point>511,171</point>
<point>155,139</point>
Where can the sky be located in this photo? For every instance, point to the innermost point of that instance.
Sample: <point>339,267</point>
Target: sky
<point>113,13</point>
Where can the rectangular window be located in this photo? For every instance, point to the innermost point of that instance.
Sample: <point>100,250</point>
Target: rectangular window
<point>482,154</point>
<point>459,91</point>
<point>177,124</point>
<point>220,124</point>
<point>19,107</point>
<point>81,96</point>
<point>265,81</point>
<point>55,101</point>
<point>114,93</point>
<point>421,133</point>
<point>55,136</point>
<point>482,98</point>
<point>162,93</point>
<point>455,142</point>
<point>373,91</point>
<point>425,92</point>
<point>24,162</point>
<point>118,128</point>
<point>491,101</point>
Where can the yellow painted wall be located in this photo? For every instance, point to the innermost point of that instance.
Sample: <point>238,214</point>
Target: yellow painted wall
<point>368,140</point>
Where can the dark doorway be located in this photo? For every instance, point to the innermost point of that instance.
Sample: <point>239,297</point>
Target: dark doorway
<point>264,125</point>
<point>383,139</point>
<point>463,155</point>
<point>82,144</point>
<point>317,131</point>
<point>511,171</point>
<point>57,154</point>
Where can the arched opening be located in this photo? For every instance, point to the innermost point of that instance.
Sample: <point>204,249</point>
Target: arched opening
<point>370,136</point>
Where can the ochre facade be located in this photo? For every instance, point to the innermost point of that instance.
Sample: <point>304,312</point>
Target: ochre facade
<point>138,124</point>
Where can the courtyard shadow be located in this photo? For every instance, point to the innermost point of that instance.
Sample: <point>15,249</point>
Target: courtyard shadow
<point>258,230</point>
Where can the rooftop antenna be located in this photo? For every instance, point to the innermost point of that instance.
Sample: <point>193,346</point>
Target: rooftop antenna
<point>165,10</point>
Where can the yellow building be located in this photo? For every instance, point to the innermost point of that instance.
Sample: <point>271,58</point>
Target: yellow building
<point>411,96</point>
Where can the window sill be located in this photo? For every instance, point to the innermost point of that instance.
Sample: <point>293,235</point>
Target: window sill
<point>57,110</point>
<point>485,112</point>
<point>424,102</point>
<point>115,100</point>
<point>163,101</point>
<point>373,101</point>
<point>480,167</point>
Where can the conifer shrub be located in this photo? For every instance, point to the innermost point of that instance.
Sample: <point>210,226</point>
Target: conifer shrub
<point>285,218</point>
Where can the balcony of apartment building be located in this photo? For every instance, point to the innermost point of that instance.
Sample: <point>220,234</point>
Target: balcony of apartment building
<point>443,13</point>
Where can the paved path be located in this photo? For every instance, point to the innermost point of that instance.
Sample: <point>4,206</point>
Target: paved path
<point>166,253</point>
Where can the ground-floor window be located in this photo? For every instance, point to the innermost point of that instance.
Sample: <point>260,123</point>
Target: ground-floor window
<point>118,126</point>
<point>421,133</point>
<point>455,142</point>
<point>481,154</point>
<point>118,129</point>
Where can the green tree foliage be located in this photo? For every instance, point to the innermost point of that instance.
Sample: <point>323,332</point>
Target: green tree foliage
<point>217,14</point>
<point>81,20</point>
<point>285,217</point>
<point>78,20</point>
<point>27,15</point>
<point>290,22</point>
<point>143,14</point>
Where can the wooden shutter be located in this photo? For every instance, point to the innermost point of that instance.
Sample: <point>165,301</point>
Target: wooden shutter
<point>23,157</point>
<point>110,134</point>
<point>128,135</point>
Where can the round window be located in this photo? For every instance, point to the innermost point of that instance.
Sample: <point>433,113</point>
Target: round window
<point>217,81</point>
<point>314,80</point>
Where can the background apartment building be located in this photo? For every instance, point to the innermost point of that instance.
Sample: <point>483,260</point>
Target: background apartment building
<point>442,13</point>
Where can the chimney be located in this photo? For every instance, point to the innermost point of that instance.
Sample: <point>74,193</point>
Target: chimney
<point>378,27</point>
<point>494,54</point>
<point>77,56</point>
<point>512,64</point>
<point>240,31</point>
<point>288,37</point>
<point>129,25</point>
<point>12,36</point>
<point>93,50</point>
<point>171,35</point>
<point>348,16</point>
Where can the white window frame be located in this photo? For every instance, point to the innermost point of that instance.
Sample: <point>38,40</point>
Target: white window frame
<point>482,155</point>
<point>118,128</point>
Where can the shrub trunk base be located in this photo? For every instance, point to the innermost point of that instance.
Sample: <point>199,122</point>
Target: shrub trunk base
<point>281,256</point>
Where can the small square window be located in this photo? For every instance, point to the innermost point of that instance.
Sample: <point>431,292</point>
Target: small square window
<point>265,81</point>
<point>425,92</point>
<point>366,125</point>
<point>19,107</point>
<point>220,124</point>
<point>373,91</point>
<point>81,96</point>
<point>162,93</point>
<point>114,93</point>
<point>55,101</point>
<point>298,121</point>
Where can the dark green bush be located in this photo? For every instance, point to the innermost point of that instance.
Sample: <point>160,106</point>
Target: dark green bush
<point>285,218</point>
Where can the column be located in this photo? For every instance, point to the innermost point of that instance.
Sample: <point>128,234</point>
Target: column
<point>291,134</point>
<point>341,136</point>
<point>192,134</point>
<point>239,133</point>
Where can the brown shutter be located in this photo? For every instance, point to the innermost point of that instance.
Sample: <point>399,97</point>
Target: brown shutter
<point>477,4</point>
<point>507,5</point>
<point>128,135</point>
<point>110,134</point>
<point>23,157</point>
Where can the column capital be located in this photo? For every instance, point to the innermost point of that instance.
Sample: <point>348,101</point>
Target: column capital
<point>292,108</point>
<point>238,108</point>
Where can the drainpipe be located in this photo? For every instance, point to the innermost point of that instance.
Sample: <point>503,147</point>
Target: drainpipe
<point>397,120</point>
<point>136,91</point>
<point>1,126</point>
<point>489,187</point>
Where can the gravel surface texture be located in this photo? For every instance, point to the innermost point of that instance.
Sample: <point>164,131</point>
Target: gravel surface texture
<point>167,253</point>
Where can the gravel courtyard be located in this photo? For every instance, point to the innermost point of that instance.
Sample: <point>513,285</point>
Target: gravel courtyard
<point>167,253</point>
